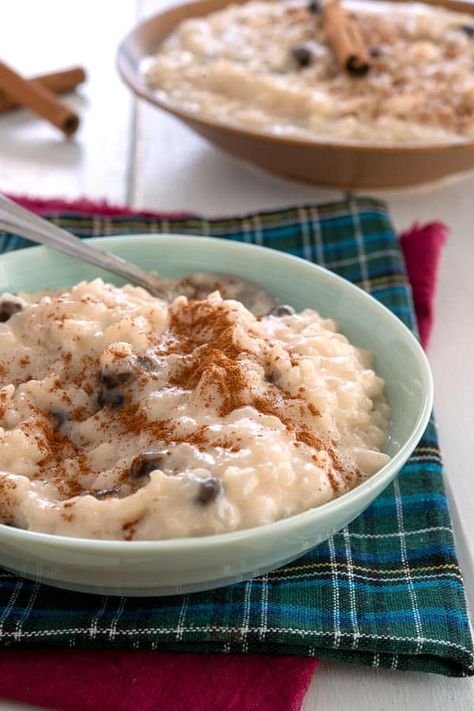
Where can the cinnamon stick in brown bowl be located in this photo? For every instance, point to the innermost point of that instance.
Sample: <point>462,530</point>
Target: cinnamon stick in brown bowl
<point>58,82</point>
<point>38,99</point>
<point>343,34</point>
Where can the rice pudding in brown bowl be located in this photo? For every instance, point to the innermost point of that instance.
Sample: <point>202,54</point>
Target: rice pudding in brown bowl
<point>260,80</point>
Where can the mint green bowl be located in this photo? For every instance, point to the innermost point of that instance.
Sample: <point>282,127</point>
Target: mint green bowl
<point>192,564</point>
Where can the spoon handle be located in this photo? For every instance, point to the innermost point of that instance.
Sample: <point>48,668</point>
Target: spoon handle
<point>22,222</point>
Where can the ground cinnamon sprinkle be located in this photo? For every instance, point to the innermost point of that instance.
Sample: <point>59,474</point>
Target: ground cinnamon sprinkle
<point>3,404</point>
<point>210,362</point>
<point>56,448</point>
<point>149,420</point>
<point>203,334</point>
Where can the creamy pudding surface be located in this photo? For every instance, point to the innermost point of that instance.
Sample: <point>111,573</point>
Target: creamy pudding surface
<point>265,66</point>
<point>124,417</point>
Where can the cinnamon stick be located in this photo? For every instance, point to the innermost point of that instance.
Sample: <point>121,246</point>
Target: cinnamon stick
<point>343,35</point>
<point>57,82</point>
<point>38,99</point>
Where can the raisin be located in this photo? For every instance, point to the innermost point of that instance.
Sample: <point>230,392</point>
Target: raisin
<point>375,52</point>
<point>209,489</point>
<point>8,308</point>
<point>468,29</point>
<point>314,6</point>
<point>111,378</point>
<point>145,463</point>
<point>302,55</point>
<point>113,399</point>
<point>58,418</point>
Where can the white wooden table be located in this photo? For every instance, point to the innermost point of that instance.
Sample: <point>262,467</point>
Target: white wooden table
<point>128,152</point>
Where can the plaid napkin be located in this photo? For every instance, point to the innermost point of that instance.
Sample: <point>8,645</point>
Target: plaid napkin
<point>385,592</point>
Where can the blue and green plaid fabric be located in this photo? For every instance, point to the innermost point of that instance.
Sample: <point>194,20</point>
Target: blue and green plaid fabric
<point>386,591</point>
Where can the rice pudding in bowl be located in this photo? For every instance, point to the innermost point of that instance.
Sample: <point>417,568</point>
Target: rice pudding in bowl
<point>266,67</point>
<point>126,418</point>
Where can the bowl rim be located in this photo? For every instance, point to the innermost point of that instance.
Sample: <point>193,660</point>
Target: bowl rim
<point>382,477</point>
<point>135,80</point>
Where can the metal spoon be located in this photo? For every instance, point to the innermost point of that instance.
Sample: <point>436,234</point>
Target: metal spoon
<point>22,222</point>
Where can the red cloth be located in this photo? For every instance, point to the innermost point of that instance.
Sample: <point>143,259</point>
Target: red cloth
<point>88,207</point>
<point>124,680</point>
<point>421,247</point>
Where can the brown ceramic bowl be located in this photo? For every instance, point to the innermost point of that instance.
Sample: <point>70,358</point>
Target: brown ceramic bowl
<point>343,165</point>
